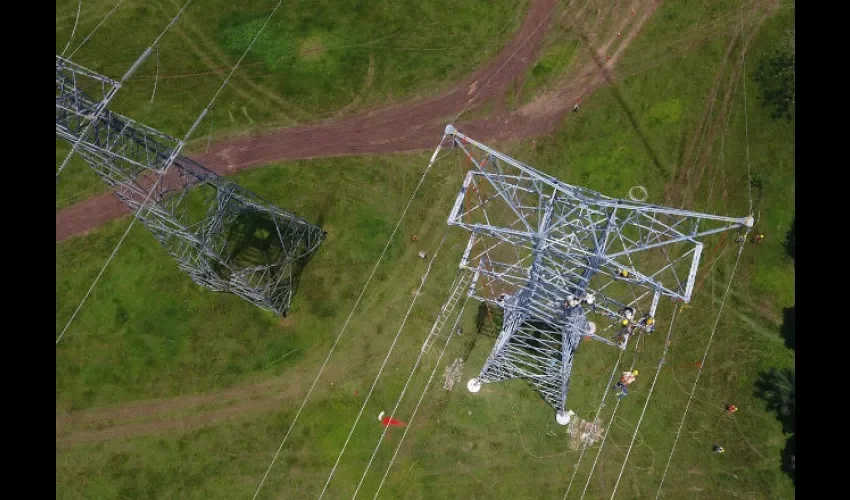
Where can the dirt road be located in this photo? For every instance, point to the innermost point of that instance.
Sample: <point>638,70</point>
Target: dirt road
<point>419,125</point>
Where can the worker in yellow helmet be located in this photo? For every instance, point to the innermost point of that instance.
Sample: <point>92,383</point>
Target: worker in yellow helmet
<point>648,321</point>
<point>624,273</point>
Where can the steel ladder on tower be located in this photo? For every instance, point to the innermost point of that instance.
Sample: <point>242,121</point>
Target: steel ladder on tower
<point>458,287</point>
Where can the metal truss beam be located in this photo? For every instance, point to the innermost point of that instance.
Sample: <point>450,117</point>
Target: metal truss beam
<point>551,254</point>
<point>224,236</point>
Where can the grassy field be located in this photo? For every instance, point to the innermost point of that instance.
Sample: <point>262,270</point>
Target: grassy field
<point>148,332</point>
<point>314,60</point>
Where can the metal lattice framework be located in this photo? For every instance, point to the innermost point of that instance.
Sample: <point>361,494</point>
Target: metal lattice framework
<point>550,254</point>
<point>224,236</point>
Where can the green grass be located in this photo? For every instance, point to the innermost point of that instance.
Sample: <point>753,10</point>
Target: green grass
<point>493,444</point>
<point>313,60</point>
<point>174,330</point>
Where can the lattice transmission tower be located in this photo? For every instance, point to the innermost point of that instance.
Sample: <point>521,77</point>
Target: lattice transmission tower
<point>551,255</point>
<point>225,237</point>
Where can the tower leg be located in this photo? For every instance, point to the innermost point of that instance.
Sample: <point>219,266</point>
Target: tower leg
<point>540,353</point>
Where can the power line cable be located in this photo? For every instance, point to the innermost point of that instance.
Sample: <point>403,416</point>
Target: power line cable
<point>384,364</point>
<point>699,371</point>
<point>347,320</point>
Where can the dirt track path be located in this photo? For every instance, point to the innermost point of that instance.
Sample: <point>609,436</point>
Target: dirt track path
<point>418,125</point>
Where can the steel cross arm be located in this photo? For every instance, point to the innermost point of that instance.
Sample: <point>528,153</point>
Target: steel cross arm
<point>498,190</point>
<point>591,197</point>
<point>605,261</point>
<point>450,130</point>
<point>537,306</point>
<point>690,238</point>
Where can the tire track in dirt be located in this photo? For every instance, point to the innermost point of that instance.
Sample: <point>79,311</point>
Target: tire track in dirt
<point>181,414</point>
<point>686,180</point>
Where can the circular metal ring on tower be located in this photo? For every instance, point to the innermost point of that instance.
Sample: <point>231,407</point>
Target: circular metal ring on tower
<point>638,193</point>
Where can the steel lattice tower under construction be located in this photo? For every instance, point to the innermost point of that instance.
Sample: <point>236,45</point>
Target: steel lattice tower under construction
<point>224,236</point>
<point>551,255</point>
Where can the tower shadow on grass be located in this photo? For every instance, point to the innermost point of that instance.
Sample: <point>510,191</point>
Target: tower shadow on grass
<point>789,327</point>
<point>777,389</point>
<point>630,115</point>
<point>790,240</point>
<point>256,240</point>
<point>788,458</point>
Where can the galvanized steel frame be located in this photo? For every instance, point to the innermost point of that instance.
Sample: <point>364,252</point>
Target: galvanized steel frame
<point>550,254</point>
<point>191,211</point>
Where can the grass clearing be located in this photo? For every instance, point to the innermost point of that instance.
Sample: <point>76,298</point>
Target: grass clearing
<point>460,446</point>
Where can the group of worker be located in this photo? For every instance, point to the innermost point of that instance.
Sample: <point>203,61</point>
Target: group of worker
<point>627,314</point>
<point>629,377</point>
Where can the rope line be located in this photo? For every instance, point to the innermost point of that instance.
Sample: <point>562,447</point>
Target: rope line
<point>457,283</point>
<point>111,256</point>
<point>384,364</point>
<point>605,437</point>
<point>699,371</point>
<point>747,135</point>
<point>93,31</point>
<point>422,396</point>
<point>648,398</point>
<point>347,320</point>
<point>586,443</point>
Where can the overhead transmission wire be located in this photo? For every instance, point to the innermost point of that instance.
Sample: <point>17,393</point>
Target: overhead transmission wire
<point>449,338</point>
<point>94,30</point>
<point>586,443</point>
<point>347,320</point>
<point>701,366</point>
<point>725,294</point>
<point>722,301</point>
<point>648,398</point>
<point>661,361</point>
<point>463,110</point>
<point>384,364</point>
<point>418,403</point>
<point>102,105</point>
<point>74,29</point>
<point>457,116</point>
<point>108,260</point>
<point>604,437</point>
<point>174,154</point>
